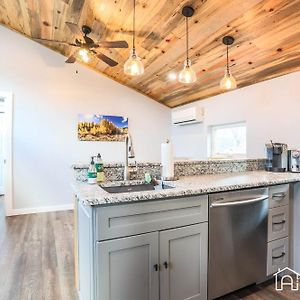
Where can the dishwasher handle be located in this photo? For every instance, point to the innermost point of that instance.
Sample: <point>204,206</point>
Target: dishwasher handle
<point>238,202</point>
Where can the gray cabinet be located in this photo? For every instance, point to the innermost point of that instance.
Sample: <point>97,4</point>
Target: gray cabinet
<point>173,262</point>
<point>183,260</point>
<point>278,228</point>
<point>144,251</point>
<point>127,268</point>
<point>85,252</point>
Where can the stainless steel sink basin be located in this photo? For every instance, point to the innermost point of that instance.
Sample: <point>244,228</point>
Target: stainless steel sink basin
<point>134,188</point>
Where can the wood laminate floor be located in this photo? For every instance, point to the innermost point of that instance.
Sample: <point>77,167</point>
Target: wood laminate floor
<point>36,261</point>
<point>36,257</point>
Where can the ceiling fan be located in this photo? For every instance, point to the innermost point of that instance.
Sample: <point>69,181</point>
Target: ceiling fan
<point>86,46</point>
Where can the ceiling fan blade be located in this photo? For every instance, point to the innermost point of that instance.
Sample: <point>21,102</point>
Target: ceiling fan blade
<point>71,59</point>
<point>113,44</point>
<point>107,60</point>
<point>53,41</point>
<point>74,28</point>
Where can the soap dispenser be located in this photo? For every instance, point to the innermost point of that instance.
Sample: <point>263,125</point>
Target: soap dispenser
<point>99,168</point>
<point>92,172</point>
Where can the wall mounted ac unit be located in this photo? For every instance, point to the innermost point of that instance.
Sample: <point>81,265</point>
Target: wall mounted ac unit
<point>189,115</point>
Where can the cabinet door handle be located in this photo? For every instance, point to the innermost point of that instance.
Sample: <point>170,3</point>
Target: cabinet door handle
<point>278,196</point>
<point>166,265</point>
<point>156,267</point>
<point>279,223</point>
<point>279,256</point>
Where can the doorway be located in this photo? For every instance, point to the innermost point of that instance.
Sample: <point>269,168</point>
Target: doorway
<point>6,111</point>
<point>1,148</point>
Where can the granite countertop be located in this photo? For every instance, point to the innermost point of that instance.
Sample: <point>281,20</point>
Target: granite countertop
<point>185,186</point>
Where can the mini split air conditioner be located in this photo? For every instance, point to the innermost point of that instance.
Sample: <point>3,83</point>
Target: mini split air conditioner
<point>189,115</point>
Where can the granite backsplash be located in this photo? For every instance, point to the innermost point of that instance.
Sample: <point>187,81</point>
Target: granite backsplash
<point>114,171</point>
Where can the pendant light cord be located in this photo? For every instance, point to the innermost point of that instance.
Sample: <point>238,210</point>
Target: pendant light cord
<point>133,34</point>
<point>227,60</point>
<point>187,38</point>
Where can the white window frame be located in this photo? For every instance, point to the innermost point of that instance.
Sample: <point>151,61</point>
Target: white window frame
<point>212,154</point>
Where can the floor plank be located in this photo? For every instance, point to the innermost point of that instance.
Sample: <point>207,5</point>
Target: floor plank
<point>36,257</point>
<point>36,261</point>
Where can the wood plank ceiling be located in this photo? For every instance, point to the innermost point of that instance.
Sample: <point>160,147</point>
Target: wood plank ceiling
<point>267,34</point>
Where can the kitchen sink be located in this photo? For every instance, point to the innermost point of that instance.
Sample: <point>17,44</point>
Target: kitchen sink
<point>130,188</point>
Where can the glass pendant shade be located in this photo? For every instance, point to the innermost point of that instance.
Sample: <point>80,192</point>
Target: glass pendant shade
<point>84,55</point>
<point>133,66</point>
<point>187,75</point>
<point>228,82</point>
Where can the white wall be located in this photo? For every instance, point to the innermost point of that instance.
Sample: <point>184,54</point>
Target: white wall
<point>271,110</point>
<point>48,95</point>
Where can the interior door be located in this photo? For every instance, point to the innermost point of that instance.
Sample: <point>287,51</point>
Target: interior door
<point>128,268</point>
<point>183,260</point>
<point>1,153</point>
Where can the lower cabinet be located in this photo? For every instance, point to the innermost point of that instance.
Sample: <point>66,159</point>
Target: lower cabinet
<point>183,262</point>
<point>278,229</point>
<point>278,255</point>
<point>128,268</point>
<point>166,265</point>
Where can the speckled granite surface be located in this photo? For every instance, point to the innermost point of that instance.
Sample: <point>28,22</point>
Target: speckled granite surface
<point>185,186</point>
<point>114,172</point>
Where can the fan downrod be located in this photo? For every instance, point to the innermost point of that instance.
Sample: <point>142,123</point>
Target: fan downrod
<point>86,29</point>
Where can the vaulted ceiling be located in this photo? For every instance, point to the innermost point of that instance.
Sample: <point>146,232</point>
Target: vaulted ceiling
<point>267,34</point>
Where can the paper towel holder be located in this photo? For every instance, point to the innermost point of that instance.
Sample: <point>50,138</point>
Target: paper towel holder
<point>171,178</point>
<point>174,178</point>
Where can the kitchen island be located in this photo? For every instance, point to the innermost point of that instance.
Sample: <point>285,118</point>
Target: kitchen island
<point>153,244</point>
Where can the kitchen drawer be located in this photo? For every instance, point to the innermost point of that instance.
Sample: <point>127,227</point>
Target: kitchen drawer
<point>278,255</point>
<point>278,223</point>
<point>278,195</point>
<point>136,218</point>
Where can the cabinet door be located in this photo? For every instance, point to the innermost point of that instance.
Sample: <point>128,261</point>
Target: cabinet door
<point>183,260</point>
<point>128,268</point>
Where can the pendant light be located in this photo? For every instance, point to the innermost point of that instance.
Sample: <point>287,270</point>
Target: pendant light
<point>228,82</point>
<point>187,74</point>
<point>133,66</point>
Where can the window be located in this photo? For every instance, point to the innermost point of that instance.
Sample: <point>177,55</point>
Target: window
<point>228,141</point>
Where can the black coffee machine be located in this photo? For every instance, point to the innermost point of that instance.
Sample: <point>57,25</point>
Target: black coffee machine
<point>277,159</point>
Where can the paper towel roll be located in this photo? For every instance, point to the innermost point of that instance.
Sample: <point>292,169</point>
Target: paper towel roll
<point>167,160</point>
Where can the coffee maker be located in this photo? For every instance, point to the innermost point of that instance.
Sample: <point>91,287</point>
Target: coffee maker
<point>294,160</point>
<point>277,157</point>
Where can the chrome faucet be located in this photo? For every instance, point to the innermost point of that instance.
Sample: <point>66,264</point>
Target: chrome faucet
<point>129,154</point>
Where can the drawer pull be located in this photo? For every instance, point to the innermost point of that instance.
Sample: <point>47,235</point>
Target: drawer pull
<point>279,223</point>
<point>279,256</point>
<point>278,196</point>
<point>156,267</point>
<point>166,265</point>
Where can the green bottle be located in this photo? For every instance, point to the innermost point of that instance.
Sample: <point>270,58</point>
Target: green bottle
<point>92,172</point>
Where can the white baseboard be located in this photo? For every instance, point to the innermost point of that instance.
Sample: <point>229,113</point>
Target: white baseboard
<point>34,210</point>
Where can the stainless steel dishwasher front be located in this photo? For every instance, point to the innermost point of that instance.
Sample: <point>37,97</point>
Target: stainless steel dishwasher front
<point>238,223</point>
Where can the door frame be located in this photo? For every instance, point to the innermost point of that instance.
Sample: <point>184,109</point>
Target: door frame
<point>7,151</point>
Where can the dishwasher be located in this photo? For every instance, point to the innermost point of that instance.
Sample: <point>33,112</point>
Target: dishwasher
<point>238,224</point>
